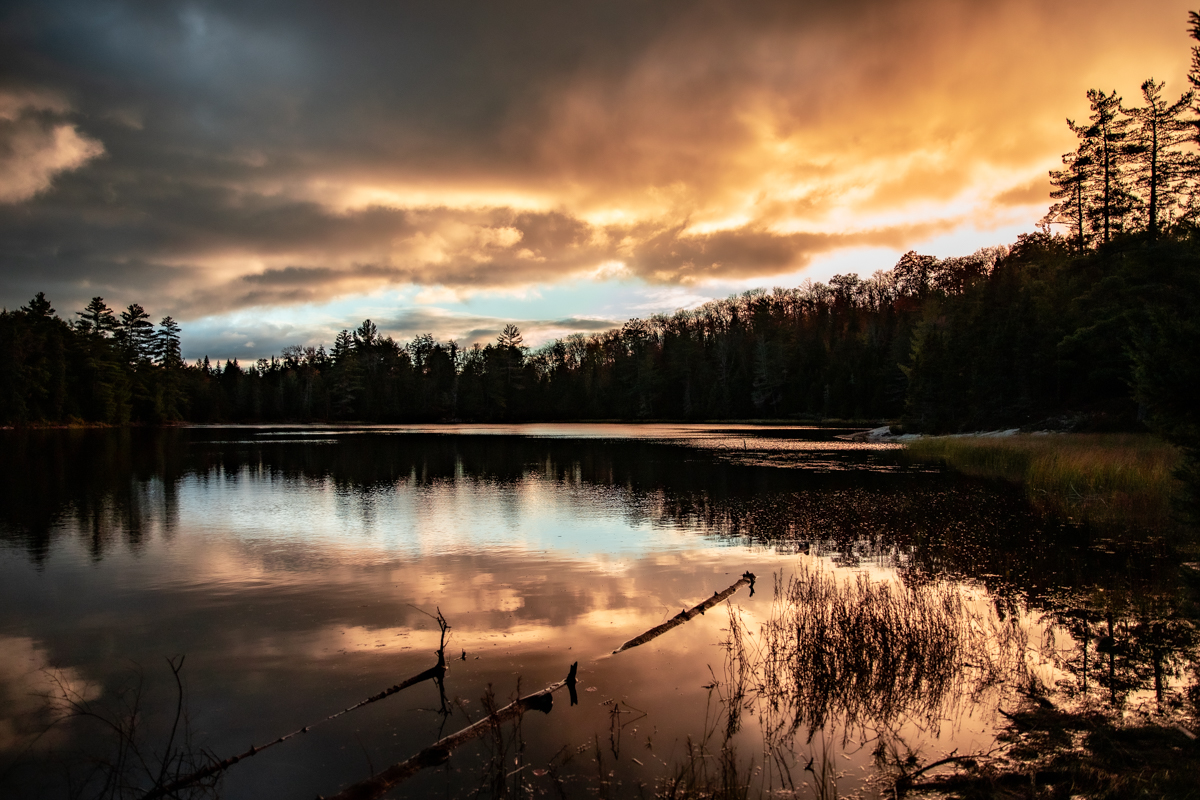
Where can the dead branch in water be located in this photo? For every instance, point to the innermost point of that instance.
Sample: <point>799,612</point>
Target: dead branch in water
<point>132,762</point>
<point>683,616</point>
<point>436,672</point>
<point>439,751</point>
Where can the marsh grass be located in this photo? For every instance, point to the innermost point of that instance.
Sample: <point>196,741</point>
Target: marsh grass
<point>1104,478</point>
<point>840,662</point>
<point>866,654</point>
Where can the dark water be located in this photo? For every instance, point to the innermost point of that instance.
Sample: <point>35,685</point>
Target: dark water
<point>297,569</point>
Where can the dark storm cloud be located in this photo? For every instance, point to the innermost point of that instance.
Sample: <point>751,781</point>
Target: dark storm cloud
<point>205,156</point>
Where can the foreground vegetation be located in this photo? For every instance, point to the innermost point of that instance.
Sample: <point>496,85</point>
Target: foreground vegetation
<point>1050,752</point>
<point>1095,477</point>
<point>1117,719</point>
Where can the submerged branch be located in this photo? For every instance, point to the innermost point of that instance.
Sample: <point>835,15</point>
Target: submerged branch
<point>440,750</point>
<point>683,616</point>
<point>436,672</point>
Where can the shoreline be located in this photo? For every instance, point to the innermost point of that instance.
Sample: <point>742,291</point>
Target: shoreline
<point>838,423</point>
<point>1122,479</point>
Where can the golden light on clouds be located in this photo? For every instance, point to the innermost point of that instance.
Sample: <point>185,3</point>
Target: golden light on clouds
<point>34,148</point>
<point>675,145</point>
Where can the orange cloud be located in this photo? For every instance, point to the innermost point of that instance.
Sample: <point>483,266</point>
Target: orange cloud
<point>35,146</point>
<point>700,143</point>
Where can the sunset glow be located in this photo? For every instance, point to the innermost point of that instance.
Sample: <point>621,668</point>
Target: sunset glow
<point>269,174</point>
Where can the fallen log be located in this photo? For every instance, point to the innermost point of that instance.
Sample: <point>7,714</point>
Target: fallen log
<point>439,751</point>
<point>436,672</point>
<point>747,579</point>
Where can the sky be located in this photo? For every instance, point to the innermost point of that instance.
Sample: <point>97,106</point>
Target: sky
<point>269,173</point>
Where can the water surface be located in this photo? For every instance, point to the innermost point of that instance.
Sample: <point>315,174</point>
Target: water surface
<point>297,569</point>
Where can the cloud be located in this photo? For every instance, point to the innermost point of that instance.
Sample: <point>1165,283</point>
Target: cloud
<point>489,249</point>
<point>468,329</point>
<point>674,256</point>
<point>262,154</point>
<point>233,335</point>
<point>32,695</point>
<point>1036,191</point>
<point>34,148</point>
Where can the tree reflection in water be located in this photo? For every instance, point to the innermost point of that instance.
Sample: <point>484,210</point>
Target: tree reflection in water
<point>1096,682</point>
<point>918,598</point>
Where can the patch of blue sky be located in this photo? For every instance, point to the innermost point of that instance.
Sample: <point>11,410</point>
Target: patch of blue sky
<point>251,333</point>
<point>612,300</point>
<point>466,515</point>
<point>543,312</point>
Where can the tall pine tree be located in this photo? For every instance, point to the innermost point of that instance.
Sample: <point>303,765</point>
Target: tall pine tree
<point>1159,167</point>
<point>1104,142</point>
<point>1070,186</point>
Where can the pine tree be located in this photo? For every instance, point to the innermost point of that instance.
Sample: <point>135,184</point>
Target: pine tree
<point>97,319</point>
<point>104,385</point>
<point>1103,141</point>
<point>366,334</point>
<point>347,373</point>
<point>169,357</point>
<point>343,346</point>
<point>39,307</point>
<point>1070,185</point>
<point>1159,166</point>
<point>510,353</point>
<point>1194,32</point>
<point>167,350</point>
<point>510,336</point>
<point>136,334</point>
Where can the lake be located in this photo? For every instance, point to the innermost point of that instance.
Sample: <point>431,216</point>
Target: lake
<point>299,570</point>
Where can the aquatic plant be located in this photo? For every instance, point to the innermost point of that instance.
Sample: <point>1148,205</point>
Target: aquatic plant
<point>1098,477</point>
<point>866,653</point>
<point>1060,753</point>
<point>845,659</point>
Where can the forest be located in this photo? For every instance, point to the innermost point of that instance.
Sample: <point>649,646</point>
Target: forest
<point>1091,322</point>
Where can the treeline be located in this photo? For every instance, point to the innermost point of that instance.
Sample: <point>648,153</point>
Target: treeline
<point>1093,324</point>
<point>100,367</point>
<point>821,350</point>
<point>1008,336</point>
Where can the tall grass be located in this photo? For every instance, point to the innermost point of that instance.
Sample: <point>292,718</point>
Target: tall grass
<point>843,659</point>
<point>1106,478</point>
<point>865,653</point>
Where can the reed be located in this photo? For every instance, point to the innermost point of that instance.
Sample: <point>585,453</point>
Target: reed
<point>843,659</point>
<point>1104,478</point>
<point>866,654</point>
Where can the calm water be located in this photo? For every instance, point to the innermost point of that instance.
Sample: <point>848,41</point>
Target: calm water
<point>297,570</point>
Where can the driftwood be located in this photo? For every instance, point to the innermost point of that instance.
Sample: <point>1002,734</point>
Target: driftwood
<point>436,672</point>
<point>683,616</point>
<point>439,751</point>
